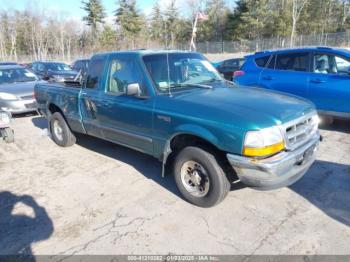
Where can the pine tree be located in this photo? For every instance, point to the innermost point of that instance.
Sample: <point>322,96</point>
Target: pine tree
<point>107,38</point>
<point>170,25</point>
<point>130,23</point>
<point>95,14</point>
<point>157,23</point>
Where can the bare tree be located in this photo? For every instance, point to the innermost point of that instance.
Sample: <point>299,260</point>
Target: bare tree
<point>297,8</point>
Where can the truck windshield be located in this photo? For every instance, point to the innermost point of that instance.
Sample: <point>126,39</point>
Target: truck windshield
<point>58,67</point>
<point>180,71</point>
<point>15,75</point>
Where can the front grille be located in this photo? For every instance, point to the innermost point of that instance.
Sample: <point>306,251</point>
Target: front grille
<point>300,131</point>
<point>69,78</point>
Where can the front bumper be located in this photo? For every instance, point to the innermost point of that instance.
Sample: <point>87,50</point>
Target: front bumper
<point>277,171</point>
<point>19,106</point>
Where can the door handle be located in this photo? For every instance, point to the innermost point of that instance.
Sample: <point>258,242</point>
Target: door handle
<point>268,78</point>
<point>317,81</point>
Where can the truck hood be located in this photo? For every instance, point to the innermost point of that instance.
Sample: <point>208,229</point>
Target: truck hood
<point>19,88</point>
<point>247,108</point>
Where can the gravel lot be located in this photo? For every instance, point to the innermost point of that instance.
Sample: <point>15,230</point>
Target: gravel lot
<point>100,198</point>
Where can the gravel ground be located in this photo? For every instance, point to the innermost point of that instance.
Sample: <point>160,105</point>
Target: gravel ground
<point>100,198</point>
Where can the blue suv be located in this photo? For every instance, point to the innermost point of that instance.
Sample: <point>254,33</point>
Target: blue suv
<point>320,74</point>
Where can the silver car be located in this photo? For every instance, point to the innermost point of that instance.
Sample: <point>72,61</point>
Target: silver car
<point>17,89</point>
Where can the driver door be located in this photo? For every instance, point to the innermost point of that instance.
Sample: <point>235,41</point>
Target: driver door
<point>126,119</point>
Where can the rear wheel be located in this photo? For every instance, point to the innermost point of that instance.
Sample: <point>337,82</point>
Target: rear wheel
<point>60,131</point>
<point>200,177</point>
<point>8,135</point>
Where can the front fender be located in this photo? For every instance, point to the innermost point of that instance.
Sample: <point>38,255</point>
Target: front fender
<point>187,129</point>
<point>195,130</point>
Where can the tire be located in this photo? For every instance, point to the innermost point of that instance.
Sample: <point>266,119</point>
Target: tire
<point>60,131</point>
<point>327,120</point>
<point>8,135</point>
<point>214,184</point>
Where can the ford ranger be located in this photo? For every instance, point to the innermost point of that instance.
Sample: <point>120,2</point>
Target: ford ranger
<point>176,107</point>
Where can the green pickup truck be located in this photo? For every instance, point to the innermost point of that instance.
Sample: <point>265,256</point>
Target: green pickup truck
<point>176,107</point>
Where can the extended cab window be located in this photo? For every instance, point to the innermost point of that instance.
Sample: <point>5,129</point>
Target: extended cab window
<point>123,72</point>
<point>95,71</point>
<point>293,62</point>
<point>331,64</point>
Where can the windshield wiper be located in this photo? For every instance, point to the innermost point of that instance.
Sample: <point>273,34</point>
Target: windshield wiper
<point>193,85</point>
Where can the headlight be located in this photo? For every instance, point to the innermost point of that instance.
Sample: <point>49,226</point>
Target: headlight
<point>264,142</point>
<point>6,96</point>
<point>5,118</point>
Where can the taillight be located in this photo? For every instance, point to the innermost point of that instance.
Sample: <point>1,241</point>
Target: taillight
<point>238,73</point>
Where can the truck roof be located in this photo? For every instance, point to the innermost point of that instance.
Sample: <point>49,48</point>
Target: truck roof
<point>146,52</point>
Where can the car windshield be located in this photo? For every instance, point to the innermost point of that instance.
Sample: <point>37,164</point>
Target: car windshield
<point>58,67</point>
<point>180,71</point>
<point>14,75</point>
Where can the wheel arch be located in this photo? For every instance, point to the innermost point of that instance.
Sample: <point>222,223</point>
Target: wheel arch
<point>53,108</point>
<point>194,137</point>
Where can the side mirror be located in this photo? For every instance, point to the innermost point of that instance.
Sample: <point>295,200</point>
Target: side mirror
<point>133,89</point>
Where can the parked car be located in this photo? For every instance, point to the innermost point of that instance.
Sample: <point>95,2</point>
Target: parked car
<point>176,107</point>
<point>319,74</point>
<point>7,63</point>
<point>54,71</point>
<point>17,89</point>
<point>228,67</point>
<point>81,65</point>
<point>6,132</point>
<point>216,63</point>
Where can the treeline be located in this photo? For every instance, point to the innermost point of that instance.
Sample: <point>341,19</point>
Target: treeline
<point>39,35</point>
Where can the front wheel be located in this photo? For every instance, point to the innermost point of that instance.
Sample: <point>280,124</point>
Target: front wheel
<point>200,177</point>
<point>60,131</point>
<point>8,135</point>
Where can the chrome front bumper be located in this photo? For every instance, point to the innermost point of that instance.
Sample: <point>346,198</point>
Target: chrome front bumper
<point>19,106</point>
<point>277,171</point>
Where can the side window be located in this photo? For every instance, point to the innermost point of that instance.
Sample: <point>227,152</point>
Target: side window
<point>123,72</point>
<point>262,61</point>
<point>232,63</point>
<point>331,64</point>
<point>293,62</point>
<point>343,65</point>
<point>95,71</point>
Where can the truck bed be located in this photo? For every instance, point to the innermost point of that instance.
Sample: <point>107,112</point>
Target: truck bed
<point>64,96</point>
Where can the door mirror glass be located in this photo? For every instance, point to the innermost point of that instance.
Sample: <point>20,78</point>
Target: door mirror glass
<point>133,89</point>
